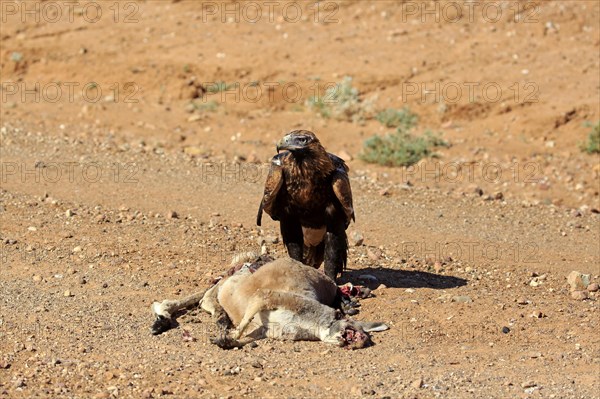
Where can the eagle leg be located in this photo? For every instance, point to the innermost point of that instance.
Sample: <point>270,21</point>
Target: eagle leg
<point>336,252</point>
<point>291,233</point>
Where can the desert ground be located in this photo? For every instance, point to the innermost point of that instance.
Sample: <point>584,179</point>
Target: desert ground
<point>125,181</point>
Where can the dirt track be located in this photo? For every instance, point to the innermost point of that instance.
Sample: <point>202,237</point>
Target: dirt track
<point>87,187</point>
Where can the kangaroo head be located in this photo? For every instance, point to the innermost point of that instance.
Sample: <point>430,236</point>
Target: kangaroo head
<point>351,334</point>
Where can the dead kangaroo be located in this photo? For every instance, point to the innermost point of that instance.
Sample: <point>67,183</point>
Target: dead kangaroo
<point>282,299</point>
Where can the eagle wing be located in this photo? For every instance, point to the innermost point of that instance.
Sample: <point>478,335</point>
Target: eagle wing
<point>341,187</point>
<point>272,186</point>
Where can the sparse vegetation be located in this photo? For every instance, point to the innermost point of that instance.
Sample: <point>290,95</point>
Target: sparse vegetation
<point>205,106</point>
<point>400,148</point>
<point>592,145</point>
<point>402,118</point>
<point>342,102</point>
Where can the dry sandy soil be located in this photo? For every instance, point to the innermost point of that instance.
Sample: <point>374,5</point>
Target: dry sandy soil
<point>88,238</point>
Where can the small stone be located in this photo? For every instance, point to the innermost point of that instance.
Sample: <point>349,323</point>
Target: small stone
<point>37,278</point>
<point>578,281</point>
<point>356,239</point>
<point>67,294</point>
<point>271,239</point>
<point>462,299</point>
<point>418,383</point>
<point>384,192</point>
<point>32,228</point>
<point>172,215</point>
<point>77,249</point>
<point>579,295</point>
<point>528,384</point>
<point>148,393</point>
<point>345,155</point>
<point>69,213</point>
<point>522,301</point>
<point>505,330</point>
<point>498,196</point>
<point>593,287</point>
<point>534,283</point>
<point>374,254</point>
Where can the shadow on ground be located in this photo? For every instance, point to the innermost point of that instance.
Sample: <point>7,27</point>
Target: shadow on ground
<point>404,278</point>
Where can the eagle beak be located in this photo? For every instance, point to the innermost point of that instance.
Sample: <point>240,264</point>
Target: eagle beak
<point>283,144</point>
<point>288,143</point>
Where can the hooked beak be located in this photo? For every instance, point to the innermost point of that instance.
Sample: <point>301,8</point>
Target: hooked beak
<point>287,143</point>
<point>282,144</point>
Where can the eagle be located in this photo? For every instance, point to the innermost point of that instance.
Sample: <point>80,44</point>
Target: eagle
<point>308,191</point>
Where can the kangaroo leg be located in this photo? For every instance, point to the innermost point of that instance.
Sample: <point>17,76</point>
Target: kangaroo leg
<point>164,311</point>
<point>260,301</point>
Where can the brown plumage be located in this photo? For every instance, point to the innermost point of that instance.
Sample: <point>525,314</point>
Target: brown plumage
<point>308,192</point>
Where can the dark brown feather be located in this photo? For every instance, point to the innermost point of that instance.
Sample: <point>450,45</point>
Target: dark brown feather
<point>272,187</point>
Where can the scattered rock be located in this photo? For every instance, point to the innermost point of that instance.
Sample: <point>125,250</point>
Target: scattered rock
<point>522,301</point>
<point>172,215</point>
<point>374,254</point>
<point>356,239</point>
<point>578,281</point>
<point>345,155</point>
<point>505,330</point>
<point>384,192</point>
<point>593,287</point>
<point>462,299</point>
<point>77,249</point>
<point>528,384</point>
<point>37,278</point>
<point>67,293</point>
<point>69,213</point>
<point>272,239</point>
<point>579,295</point>
<point>418,383</point>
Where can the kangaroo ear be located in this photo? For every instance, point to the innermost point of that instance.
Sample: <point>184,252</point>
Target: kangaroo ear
<point>374,326</point>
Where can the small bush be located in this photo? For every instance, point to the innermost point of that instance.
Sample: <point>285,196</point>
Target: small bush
<point>403,118</point>
<point>341,102</point>
<point>205,106</point>
<point>400,148</point>
<point>592,145</point>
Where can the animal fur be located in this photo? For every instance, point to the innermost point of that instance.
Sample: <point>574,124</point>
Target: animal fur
<point>281,299</point>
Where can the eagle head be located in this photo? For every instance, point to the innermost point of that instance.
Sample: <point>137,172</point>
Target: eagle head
<point>300,142</point>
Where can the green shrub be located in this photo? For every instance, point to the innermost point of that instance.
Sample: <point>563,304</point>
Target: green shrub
<point>400,148</point>
<point>341,102</point>
<point>401,118</point>
<point>592,145</point>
